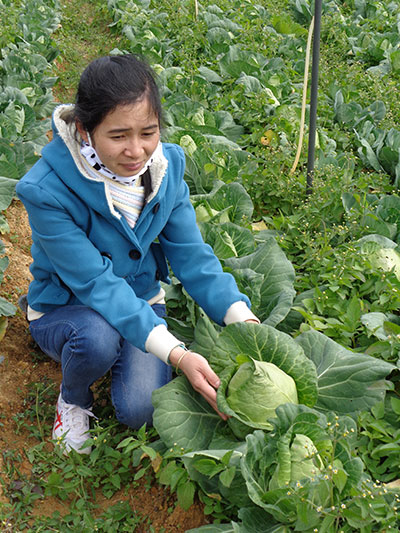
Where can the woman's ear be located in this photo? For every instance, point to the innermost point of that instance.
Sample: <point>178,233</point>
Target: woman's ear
<point>82,132</point>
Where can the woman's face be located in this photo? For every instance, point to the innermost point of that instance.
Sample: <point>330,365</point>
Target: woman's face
<point>126,138</point>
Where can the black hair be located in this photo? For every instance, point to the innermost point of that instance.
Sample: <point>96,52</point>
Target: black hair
<point>110,81</point>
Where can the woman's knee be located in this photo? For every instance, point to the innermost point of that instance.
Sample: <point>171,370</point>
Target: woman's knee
<point>93,341</point>
<point>136,415</point>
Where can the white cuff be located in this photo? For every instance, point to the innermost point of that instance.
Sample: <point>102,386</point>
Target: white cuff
<point>239,312</point>
<point>160,342</point>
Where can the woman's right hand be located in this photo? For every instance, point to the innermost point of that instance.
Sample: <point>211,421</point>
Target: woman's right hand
<point>201,376</point>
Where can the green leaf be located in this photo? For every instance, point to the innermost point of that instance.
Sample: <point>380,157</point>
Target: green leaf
<point>348,382</point>
<point>327,524</point>
<point>226,477</point>
<point>116,480</point>
<point>228,239</point>
<point>208,467</point>
<point>210,75</point>
<point>205,335</point>
<point>183,417</point>
<point>236,492</point>
<point>395,60</point>
<point>6,308</point>
<point>17,115</point>
<point>389,209</point>
<point>249,282</point>
<point>385,450</point>
<point>339,476</point>
<point>226,124</point>
<point>251,84</point>
<point>350,201</point>
<point>185,493</point>
<point>389,159</point>
<point>10,170</point>
<point>282,473</point>
<point>353,313</point>
<point>287,26</point>
<point>237,60</point>
<point>277,292</point>
<point>168,472</point>
<point>234,196</point>
<point>149,452</point>
<point>139,474</point>
<point>374,322</point>
<point>395,403</point>
<point>7,188</point>
<point>368,155</point>
<point>256,520</point>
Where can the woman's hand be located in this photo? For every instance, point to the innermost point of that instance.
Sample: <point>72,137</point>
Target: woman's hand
<point>201,376</point>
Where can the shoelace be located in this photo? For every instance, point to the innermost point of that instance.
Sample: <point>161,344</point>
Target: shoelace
<point>76,419</point>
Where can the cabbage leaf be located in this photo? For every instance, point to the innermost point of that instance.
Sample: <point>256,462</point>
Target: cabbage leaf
<point>348,382</point>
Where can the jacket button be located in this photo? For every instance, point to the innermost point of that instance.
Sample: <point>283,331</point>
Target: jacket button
<point>135,254</point>
<point>106,254</point>
<point>158,275</point>
<point>156,208</point>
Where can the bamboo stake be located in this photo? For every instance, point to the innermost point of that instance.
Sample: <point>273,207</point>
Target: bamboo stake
<point>304,101</point>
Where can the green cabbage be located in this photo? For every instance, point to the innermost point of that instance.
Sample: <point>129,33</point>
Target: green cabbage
<point>382,253</point>
<point>257,389</point>
<point>302,462</point>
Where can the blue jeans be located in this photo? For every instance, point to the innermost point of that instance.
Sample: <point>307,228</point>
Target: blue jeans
<point>88,347</point>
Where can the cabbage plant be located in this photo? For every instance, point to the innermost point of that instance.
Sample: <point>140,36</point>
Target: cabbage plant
<point>327,376</point>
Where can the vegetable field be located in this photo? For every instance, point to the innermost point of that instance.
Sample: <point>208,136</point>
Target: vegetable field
<point>312,443</point>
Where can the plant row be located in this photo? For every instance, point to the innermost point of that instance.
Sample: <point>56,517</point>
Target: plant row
<point>26,101</point>
<point>322,274</point>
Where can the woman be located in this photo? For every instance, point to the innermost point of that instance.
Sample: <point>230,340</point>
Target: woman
<point>107,205</point>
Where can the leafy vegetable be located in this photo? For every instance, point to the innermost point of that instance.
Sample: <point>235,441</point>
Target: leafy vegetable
<point>242,342</point>
<point>326,375</point>
<point>301,458</point>
<point>382,253</point>
<point>257,388</point>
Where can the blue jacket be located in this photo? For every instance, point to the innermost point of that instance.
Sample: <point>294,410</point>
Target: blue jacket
<point>85,254</point>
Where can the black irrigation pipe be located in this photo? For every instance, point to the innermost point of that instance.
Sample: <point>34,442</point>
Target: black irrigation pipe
<point>314,95</point>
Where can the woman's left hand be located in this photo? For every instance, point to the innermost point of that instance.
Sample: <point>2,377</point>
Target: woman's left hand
<point>201,376</point>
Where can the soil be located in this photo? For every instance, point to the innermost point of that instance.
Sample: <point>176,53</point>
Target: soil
<point>19,369</point>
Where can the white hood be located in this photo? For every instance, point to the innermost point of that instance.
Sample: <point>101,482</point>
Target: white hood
<point>72,139</point>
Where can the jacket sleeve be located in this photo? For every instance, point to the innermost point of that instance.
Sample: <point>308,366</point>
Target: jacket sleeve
<point>79,264</point>
<point>194,262</point>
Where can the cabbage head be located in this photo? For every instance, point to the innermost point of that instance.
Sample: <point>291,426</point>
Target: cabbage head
<point>257,389</point>
<point>382,253</point>
<point>298,461</point>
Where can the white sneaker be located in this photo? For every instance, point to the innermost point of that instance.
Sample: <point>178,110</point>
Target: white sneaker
<point>71,427</point>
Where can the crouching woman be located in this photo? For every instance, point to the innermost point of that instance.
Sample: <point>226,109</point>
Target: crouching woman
<point>107,205</point>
